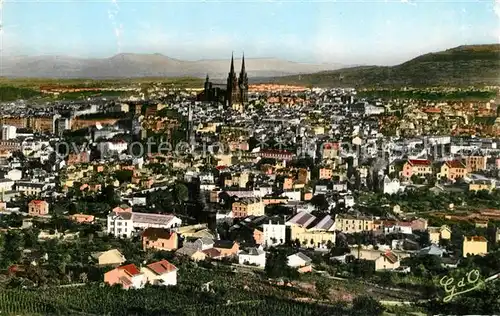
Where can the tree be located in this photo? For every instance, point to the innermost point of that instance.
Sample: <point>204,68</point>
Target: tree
<point>13,243</point>
<point>275,262</point>
<point>329,244</point>
<point>366,305</point>
<point>277,265</point>
<point>323,287</point>
<point>181,193</point>
<point>108,195</point>
<point>320,202</point>
<point>124,175</point>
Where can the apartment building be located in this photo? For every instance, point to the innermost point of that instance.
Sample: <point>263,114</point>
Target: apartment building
<point>474,246</point>
<point>452,170</point>
<point>38,208</point>
<point>159,239</point>
<point>311,231</point>
<point>353,224</point>
<point>122,222</point>
<point>417,167</point>
<point>247,207</point>
<point>475,163</point>
<point>274,232</point>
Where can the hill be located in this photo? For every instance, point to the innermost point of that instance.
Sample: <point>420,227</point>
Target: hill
<point>460,66</point>
<point>147,65</point>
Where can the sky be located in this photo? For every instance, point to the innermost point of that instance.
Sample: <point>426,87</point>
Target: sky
<point>348,32</point>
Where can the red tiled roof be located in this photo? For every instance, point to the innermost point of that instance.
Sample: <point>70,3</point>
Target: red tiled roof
<point>404,224</point>
<point>331,145</point>
<point>130,269</point>
<point>475,238</point>
<point>212,252</point>
<point>419,162</point>
<point>125,281</point>
<point>455,164</point>
<point>391,256</point>
<point>153,232</point>
<point>37,202</point>
<point>161,267</point>
<point>432,110</point>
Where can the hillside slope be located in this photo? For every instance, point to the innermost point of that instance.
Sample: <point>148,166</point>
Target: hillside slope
<point>460,66</point>
<point>147,65</point>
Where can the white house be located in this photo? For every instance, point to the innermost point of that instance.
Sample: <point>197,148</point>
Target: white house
<point>253,256</point>
<point>349,201</point>
<point>298,260</point>
<point>14,174</point>
<point>109,147</point>
<point>387,261</point>
<point>8,132</point>
<point>120,224</point>
<point>123,223</point>
<point>391,186</point>
<point>6,185</point>
<point>373,110</point>
<point>293,195</point>
<point>274,232</point>
<point>206,177</point>
<point>402,227</point>
<point>160,273</point>
<point>339,187</point>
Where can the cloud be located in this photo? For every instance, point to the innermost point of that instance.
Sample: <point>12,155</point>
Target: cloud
<point>496,8</point>
<point>117,27</point>
<point>408,2</point>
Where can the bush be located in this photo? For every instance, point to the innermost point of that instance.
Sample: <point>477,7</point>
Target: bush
<point>366,305</point>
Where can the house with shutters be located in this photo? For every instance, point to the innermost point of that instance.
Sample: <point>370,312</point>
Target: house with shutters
<point>387,261</point>
<point>38,208</point>
<point>436,234</point>
<point>417,167</point>
<point>122,222</point>
<point>474,246</point>
<point>159,239</point>
<point>452,170</point>
<point>253,256</point>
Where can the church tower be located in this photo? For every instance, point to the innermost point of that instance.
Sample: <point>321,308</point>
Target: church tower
<point>232,86</point>
<point>243,83</point>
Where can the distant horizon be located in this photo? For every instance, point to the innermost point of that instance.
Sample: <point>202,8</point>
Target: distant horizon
<point>238,57</point>
<point>376,32</point>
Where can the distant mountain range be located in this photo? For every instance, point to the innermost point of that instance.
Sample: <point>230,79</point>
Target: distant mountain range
<point>148,65</point>
<point>459,66</point>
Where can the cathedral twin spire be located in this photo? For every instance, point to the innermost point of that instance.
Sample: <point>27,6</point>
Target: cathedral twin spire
<point>237,87</point>
<point>243,78</point>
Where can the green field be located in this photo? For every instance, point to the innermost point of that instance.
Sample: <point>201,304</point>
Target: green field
<point>35,83</point>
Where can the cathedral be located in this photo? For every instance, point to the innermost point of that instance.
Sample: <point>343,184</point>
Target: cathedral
<point>234,94</point>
